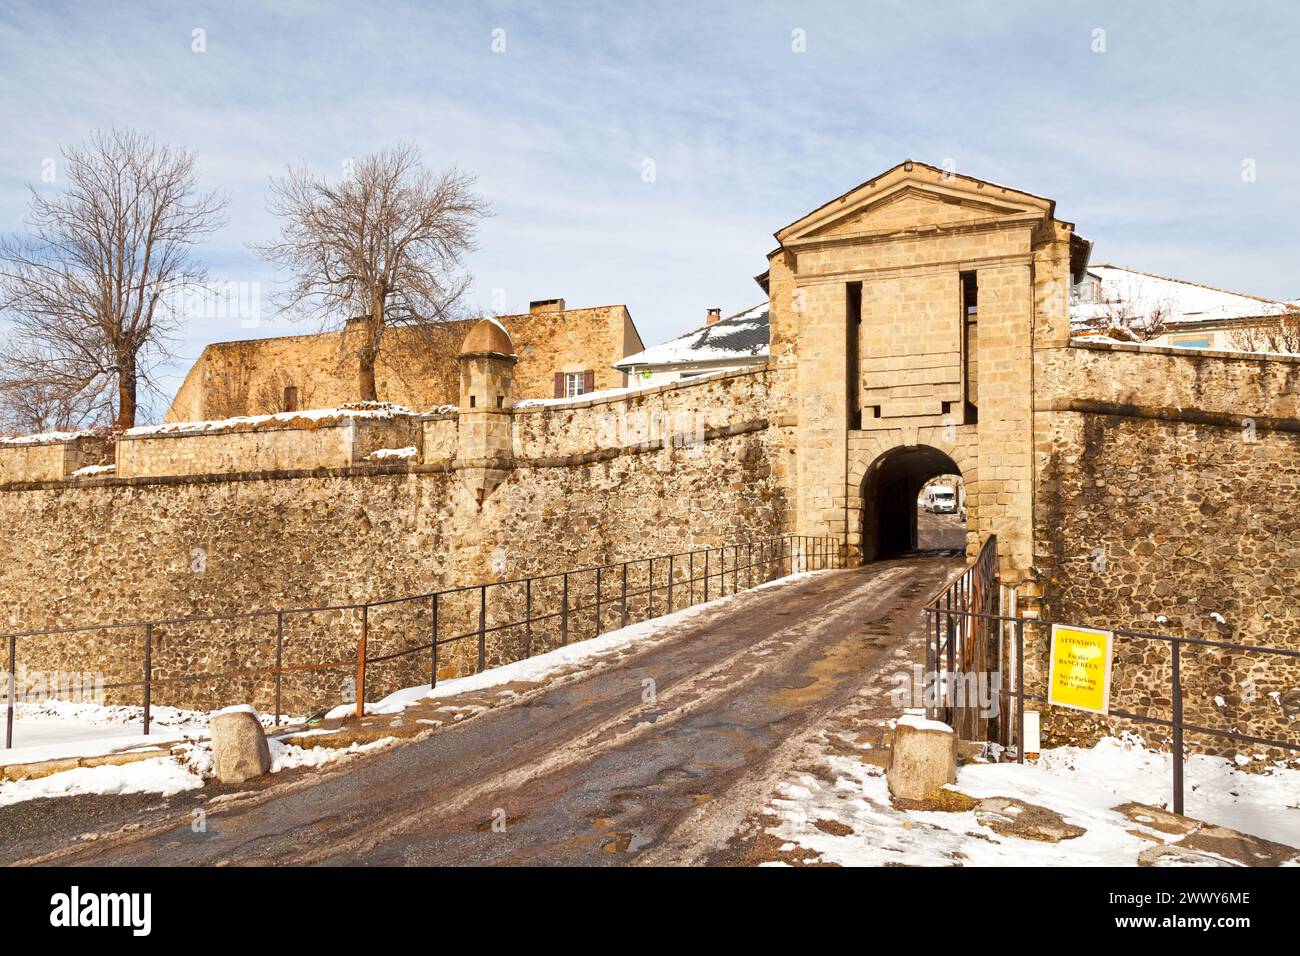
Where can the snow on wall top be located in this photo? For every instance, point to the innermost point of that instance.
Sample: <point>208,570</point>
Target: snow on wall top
<point>46,438</point>
<point>252,422</point>
<point>1139,294</point>
<point>743,335</point>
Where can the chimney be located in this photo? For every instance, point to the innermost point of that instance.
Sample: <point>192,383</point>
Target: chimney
<point>715,313</point>
<point>546,305</point>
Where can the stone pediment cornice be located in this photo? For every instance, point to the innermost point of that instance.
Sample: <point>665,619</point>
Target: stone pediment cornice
<point>962,203</point>
<point>928,230</point>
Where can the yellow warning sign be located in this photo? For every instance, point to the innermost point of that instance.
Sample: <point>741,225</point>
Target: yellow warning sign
<point>1080,668</point>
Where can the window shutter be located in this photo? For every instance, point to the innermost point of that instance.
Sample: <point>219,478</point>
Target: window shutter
<point>588,381</point>
<point>559,384</point>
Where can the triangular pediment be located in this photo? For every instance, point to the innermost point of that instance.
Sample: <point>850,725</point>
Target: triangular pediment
<point>922,197</point>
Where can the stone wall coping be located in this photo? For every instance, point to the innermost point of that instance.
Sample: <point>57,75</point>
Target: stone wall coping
<point>396,468</point>
<point>632,393</point>
<point>283,423</point>
<point>46,439</point>
<point>1144,348</point>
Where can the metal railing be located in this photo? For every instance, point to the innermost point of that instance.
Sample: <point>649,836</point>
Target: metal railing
<point>577,604</point>
<point>959,620</point>
<point>965,644</point>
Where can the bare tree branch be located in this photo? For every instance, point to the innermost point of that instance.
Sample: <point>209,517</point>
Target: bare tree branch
<point>384,245</point>
<point>1280,335</point>
<point>88,293</point>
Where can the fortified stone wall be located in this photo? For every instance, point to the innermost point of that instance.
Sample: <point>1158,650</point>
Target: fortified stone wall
<point>153,546</point>
<point>1167,502</point>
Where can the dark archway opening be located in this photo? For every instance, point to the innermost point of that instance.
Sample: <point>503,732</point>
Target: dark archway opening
<point>896,520</point>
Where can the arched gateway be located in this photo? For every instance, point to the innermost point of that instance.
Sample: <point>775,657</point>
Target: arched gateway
<point>906,317</point>
<point>889,497</point>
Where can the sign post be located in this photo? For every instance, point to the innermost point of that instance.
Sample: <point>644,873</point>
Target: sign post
<point>1080,668</point>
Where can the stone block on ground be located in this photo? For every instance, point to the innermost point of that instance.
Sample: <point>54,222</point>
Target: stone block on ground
<point>923,759</point>
<point>1241,848</point>
<point>1176,855</point>
<point>1011,817</point>
<point>239,748</point>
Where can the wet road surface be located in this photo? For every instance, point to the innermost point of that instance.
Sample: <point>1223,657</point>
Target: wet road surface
<point>601,770</point>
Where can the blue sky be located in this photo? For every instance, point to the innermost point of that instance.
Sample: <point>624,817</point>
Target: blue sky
<point>1142,145</point>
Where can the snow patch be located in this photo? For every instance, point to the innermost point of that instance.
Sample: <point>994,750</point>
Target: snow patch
<point>921,723</point>
<point>388,454</point>
<point>162,775</point>
<point>90,471</point>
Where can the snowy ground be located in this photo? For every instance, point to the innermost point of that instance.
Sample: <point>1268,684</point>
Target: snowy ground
<point>57,728</point>
<point>842,812</point>
<point>52,729</point>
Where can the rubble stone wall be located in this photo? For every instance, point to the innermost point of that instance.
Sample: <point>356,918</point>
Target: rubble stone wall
<point>1168,501</point>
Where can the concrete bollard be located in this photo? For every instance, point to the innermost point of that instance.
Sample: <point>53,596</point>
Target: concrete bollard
<point>239,748</point>
<point>923,758</point>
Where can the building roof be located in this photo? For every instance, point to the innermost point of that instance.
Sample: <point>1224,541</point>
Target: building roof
<point>1140,294</point>
<point>488,337</point>
<point>740,336</point>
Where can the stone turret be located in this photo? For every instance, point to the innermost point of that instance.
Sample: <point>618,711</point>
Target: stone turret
<point>486,452</point>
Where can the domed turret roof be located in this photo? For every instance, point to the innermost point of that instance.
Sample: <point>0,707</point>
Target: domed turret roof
<point>488,337</point>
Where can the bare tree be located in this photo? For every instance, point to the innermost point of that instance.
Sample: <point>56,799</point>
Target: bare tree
<point>28,406</point>
<point>1124,320</point>
<point>384,246</point>
<point>88,292</point>
<point>1280,334</point>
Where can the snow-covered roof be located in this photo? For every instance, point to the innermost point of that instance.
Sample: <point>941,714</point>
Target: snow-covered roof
<point>1140,294</point>
<point>743,335</point>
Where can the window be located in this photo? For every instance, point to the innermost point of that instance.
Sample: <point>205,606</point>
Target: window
<point>1193,342</point>
<point>291,398</point>
<point>852,364</point>
<point>970,310</point>
<point>572,384</point>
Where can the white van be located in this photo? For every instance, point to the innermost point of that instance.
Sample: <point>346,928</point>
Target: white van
<point>941,500</point>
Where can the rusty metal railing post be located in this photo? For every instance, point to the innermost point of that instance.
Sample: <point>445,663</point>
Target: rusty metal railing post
<point>706,575</point>
<point>1176,679</point>
<point>671,572</point>
<point>735,569</point>
<point>650,599</point>
<point>433,641</point>
<point>564,611</point>
<point>279,660</point>
<point>598,621</point>
<point>622,598</point>
<point>148,674</point>
<point>528,618</point>
<point>482,627</point>
<point>361,661</point>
